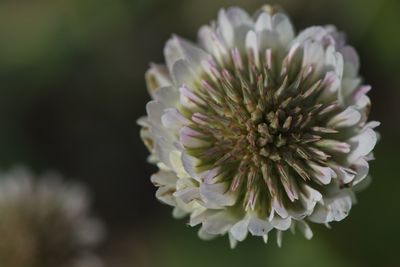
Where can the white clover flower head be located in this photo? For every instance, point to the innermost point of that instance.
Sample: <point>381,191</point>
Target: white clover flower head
<point>255,128</point>
<point>44,222</point>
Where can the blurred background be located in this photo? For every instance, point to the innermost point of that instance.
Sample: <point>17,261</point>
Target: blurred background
<point>72,87</point>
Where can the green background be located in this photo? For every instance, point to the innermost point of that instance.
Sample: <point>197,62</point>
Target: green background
<point>72,86</point>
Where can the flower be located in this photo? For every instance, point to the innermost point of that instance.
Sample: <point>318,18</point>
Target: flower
<point>44,222</point>
<point>255,128</point>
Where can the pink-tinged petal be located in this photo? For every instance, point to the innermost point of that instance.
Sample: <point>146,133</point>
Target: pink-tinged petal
<point>331,84</point>
<point>360,91</point>
<point>322,174</point>
<point>345,175</point>
<point>334,146</point>
<point>192,142</point>
<point>349,117</point>
<point>200,118</point>
<point>189,99</point>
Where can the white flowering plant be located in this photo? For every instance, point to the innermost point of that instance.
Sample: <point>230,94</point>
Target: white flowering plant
<point>255,128</point>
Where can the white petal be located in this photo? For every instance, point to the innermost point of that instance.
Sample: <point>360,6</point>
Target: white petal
<point>226,27</point>
<point>219,223</point>
<point>361,166</point>
<point>164,194</point>
<point>351,61</point>
<point>232,241</point>
<point>192,141</point>
<point>239,229</point>
<point>310,197</point>
<point>199,215</point>
<point>156,77</point>
<point>252,45</point>
<point>281,223</point>
<point>163,178</point>
<point>263,22</point>
<point>178,213</point>
<point>334,208</point>
<point>238,17</point>
<point>173,119</point>
<point>279,238</point>
<point>169,96</point>
<point>313,55</point>
<point>323,174</point>
<point>183,74</point>
<point>305,229</point>
<point>177,48</point>
<point>362,144</point>
<point>203,234</point>
<point>279,208</point>
<point>155,110</point>
<point>213,43</point>
<point>283,26</point>
<point>349,117</point>
<point>344,175</point>
<point>189,163</point>
<point>187,194</point>
<point>315,33</point>
<point>234,24</point>
<point>259,227</point>
<point>217,194</point>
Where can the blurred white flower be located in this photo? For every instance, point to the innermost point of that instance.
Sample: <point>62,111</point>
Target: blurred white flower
<point>44,222</point>
<point>255,128</point>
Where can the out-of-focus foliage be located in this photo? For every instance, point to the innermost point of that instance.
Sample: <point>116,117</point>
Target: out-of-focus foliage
<point>72,88</point>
